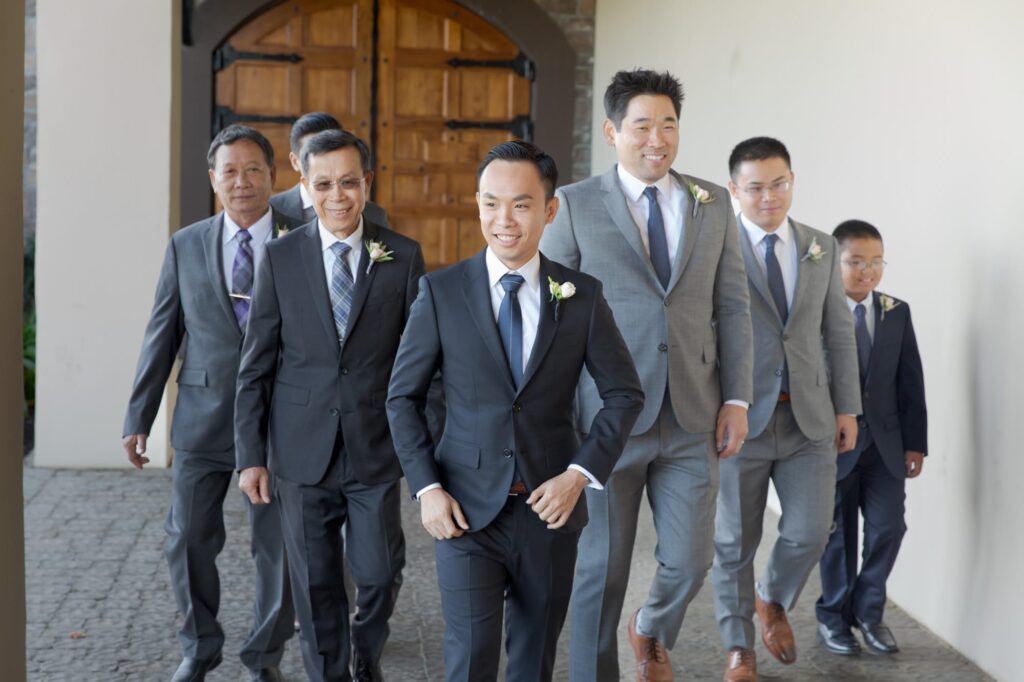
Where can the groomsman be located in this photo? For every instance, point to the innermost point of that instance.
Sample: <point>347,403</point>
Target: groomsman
<point>201,309</point>
<point>806,396</point>
<point>892,440</point>
<point>666,248</point>
<point>330,303</point>
<point>510,332</point>
<point>297,201</point>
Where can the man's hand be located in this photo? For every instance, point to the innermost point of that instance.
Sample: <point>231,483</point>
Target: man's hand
<point>731,432</point>
<point>846,433</point>
<point>914,460</point>
<point>440,514</point>
<point>555,498</point>
<point>255,483</point>
<point>135,446</point>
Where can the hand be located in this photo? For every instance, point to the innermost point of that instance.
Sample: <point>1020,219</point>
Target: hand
<point>135,446</point>
<point>440,513</point>
<point>914,460</point>
<point>846,433</point>
<point>555,498</point>
<point>731,432</point>
<point>255,483</point>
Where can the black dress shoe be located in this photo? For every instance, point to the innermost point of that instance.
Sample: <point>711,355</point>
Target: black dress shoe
<point>878,638</point>
<point>364,671</point>
<point>840,642</point>
<point>271,674</point>
<point>195,669</point>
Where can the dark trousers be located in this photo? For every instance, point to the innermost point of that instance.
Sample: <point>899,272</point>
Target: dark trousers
<point>195,536</point>
<point>312,519</point>
<point>516,566</point>
<point>849,596</point>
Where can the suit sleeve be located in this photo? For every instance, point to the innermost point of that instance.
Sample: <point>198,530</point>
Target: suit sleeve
<point>417,361</point>
<point>910,392</point>
<point>559,240</point>
<point>257,370</point>
<point>732,314</point>
<point>610,364</point>
<point>163,338</point>
<point>840,343</point>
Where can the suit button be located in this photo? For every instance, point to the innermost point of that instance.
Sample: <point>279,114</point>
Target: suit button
<point>516,407</point>
<point>344,370</point>
<point>866,395</point>
<point>778,372</point>
<point>334,412</point>
<point>507,453</point>
<point>667,303</point>
<point>662,347</point>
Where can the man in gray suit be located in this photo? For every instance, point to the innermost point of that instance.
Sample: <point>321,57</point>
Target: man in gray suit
<point>666,249</point>
<point>201,311</point>
<point>806,396</point>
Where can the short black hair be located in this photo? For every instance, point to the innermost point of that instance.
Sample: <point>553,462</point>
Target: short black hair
<point>518,150</point>
<point>855,229</point>
<point>332,140</point>
<point>757,149</point>
<point>233,134</point>
<point>626,85</point>
<point>310,124</point>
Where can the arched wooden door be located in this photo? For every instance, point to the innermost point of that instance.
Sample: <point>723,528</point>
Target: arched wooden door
<point>430,85</point>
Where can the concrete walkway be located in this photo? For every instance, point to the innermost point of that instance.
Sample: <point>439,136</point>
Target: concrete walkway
<point>100,606</point>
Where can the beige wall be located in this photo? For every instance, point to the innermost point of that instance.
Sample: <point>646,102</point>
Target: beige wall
<point>906,114</point>
<point>105,168</point>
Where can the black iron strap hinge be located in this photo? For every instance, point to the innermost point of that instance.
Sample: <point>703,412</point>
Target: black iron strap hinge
<point>225,55</point>
<point>520,64</point>
<point>225,116</point>
<point>520,126</point>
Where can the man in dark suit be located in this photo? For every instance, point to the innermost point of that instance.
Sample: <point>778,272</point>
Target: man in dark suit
<point>330,303</point>
<point>510,332</point>
<point>201,309</point>
<point>891,444</point>
<point>297,201</point>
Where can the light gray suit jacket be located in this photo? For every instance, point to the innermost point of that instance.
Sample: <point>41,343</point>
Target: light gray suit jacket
<point>817,341</point>
<point>696,336</point>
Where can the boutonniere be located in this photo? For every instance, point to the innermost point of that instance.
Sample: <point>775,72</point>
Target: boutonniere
<point>378,254</point>
<point>281,230</point>
<point>814,252</point>
<point>700,196</point>
<point>560,292</point>
<point>888,303</point>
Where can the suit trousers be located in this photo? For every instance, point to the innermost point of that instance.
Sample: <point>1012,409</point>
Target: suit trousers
<point>195,536</point>
<point>679,471</point>
<point>312,520</point>
<point>514,566</point>
<point>804,473</point>
<point>848,596</point>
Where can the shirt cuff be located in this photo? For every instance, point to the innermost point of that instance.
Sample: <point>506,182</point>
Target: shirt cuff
<point>739,403</point>
<point>593,481</point>
<point>430,487</point>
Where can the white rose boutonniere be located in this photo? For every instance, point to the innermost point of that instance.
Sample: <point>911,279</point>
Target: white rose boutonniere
<point>560,292</point>
<point>281,230</point>
<point>378,254</point>
<point>700,196</point>
<point>814,252</point>
<point>888,303</point>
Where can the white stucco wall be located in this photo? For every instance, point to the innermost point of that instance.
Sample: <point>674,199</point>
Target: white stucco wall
<point>905,114</point>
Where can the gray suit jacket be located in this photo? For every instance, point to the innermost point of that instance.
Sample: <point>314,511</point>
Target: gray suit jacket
<point>192,313</point>
<point>817,341</point>
<point>697,335</point>
<point>289,203</point>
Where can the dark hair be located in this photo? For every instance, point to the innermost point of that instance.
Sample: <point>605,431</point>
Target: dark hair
<point>757,149</point>
<point>855,229</point>
<point>626,85</point>
<point>332,140</point>
<point>233,134</point>
<point>310,124</point>
<point>518,150</point>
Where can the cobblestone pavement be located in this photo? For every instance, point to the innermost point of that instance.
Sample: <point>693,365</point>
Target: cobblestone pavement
<point>100,605</point>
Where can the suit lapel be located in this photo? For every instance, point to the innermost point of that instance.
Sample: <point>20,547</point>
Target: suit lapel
<point>881,333</point>
<point>691,227</point>
<point>363,278</point>
<point>313,263</point>
<point>754,272</point>
<point>615,203</point>
<point>478,300</point>
<point>546,323</point>
<point>803,265</point>
<point>215,268</point>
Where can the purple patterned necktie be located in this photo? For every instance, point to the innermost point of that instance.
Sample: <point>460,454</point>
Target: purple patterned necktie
<point>241,278</point>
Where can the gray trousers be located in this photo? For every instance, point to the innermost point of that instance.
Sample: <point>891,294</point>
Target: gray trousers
<point>679,471</point>
<point>804,474</point>
<point>195,536</point>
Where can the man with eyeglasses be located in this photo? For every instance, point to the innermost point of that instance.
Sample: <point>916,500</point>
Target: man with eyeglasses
<point>806,398</point>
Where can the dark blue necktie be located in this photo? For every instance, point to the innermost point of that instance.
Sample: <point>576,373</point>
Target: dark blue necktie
<point>775,284</point>
<point>656,238</point>
<point>510,324</point>
<point>860,328</point>
<point>241,278</point>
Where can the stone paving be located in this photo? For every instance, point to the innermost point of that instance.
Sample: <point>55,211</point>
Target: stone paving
<point>100,606</point>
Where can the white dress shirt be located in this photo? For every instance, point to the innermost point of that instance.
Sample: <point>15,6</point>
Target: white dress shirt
<point>869,314</point>
<point>261,232</point>
<point>785,252</point>
<point>355,242</point>
<point>671,200</point>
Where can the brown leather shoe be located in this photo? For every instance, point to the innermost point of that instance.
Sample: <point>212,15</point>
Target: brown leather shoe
<point>775,631</point>
<point>651,658</point>
<point>741,666</point>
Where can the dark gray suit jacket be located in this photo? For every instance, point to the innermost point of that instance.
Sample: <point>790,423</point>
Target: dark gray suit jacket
<point>289,203</point>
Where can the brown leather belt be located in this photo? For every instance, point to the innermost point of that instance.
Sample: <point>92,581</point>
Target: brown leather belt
<point>518,488</point>
<point>783,397</point>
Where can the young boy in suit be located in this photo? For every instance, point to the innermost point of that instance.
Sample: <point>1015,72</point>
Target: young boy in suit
<point>890,448</point>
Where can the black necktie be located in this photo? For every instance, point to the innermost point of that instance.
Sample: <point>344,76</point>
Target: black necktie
<point>510,324</point>
<point>775,284</point>
<point>656,238</point>
<point>860,328</point>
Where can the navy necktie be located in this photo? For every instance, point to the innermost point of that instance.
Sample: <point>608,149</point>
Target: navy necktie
<point>241,278</point>
<point>341,287</point>
<point>860,328</point>
<point>656,238</point>
<point>775,284</point>
<point>510,324</point>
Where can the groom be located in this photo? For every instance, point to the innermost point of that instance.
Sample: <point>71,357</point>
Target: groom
<point>502,493</point>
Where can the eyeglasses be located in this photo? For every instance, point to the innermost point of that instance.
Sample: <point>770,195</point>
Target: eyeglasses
<point>755,191</point>
<point>862,265</point>
<point>346,184</point>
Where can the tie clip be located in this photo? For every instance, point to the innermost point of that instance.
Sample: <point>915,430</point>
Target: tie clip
<point>244,297</point>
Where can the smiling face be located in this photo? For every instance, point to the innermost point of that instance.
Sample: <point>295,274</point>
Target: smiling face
<point>513,210</point>
<point>859,281</point>
<point>339,187</point>
<point>647,140</point>
<point>243,181</point>
<point>764,190</point>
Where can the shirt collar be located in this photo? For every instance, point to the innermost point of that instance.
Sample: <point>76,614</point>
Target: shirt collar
<point>259,230</point>
<point>868,303</point>
<point>307,201</point>
<point>327,239</point>
<point>496,269</point>
<point>757,234</point>
<point>634,188</point>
